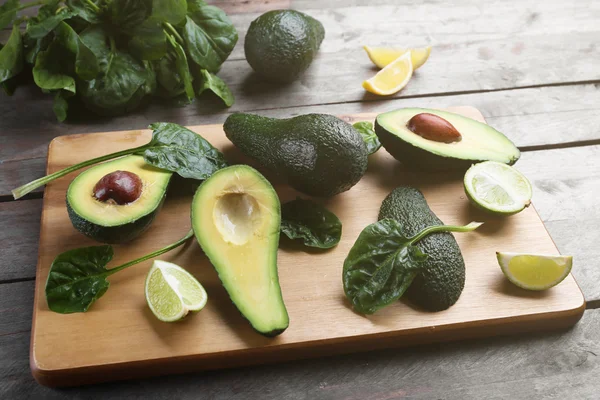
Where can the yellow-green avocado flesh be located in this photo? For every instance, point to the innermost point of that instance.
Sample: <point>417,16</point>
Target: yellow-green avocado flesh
<point>108,222</point>
<point>479,142</point>
<point>236,218</point>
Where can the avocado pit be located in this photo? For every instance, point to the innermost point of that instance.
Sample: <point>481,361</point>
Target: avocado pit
<point>118,187</point>
<point>433,127</point>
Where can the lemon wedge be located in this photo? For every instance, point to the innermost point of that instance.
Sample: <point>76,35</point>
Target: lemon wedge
<point>534,271</point>
<point>392,78</point>
<point>383,56</point>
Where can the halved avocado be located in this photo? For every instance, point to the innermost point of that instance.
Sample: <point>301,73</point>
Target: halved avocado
<point>477,142</point>
<point>107,221</point>
<point>236,217</point>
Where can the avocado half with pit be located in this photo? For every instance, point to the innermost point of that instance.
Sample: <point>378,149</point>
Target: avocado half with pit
<point>116,201</point>
<point>439,140</point>
<point>236,218</point>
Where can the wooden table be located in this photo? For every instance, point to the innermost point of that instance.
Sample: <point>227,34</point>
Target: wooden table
<point>531,67</point>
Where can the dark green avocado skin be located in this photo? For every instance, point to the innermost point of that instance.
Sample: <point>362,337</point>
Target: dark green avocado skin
<point>281,44</point>
<point>318,154</point>
<point>414,157</point>
<point>113,234</point>
<point>442,279</point>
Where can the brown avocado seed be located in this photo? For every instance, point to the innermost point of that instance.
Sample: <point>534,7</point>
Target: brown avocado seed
<point>119,187</point>
<point>432,127</point>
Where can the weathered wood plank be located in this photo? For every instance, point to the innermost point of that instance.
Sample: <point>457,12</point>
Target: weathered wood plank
<point>558,364</point>
<point>566,183</point>
<point>530,117</point>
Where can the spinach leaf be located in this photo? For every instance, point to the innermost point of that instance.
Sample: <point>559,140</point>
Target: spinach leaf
<point>313,224</point>
<point>11,55</point>
<point>368,134</point>
<point>169,84</point>
<point>127,15</point>
<point>88,10</point>
<point>149,41</point>
<point>209,81</point>
<point>180,150</point>
<point>77,278</point>
<point>172,11</point>
<point>209,35</point>
<point>8,12</point>
<point>47,19</point>
<point>383,263</point>
<point>51,70</point>
<point>86,64</point>
<point>183,69</point>
<point>60,106</point>
<point>32,47</point>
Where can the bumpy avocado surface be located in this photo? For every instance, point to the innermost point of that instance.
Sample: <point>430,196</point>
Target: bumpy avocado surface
<point>236,217</point>
<point>281,44</point>
<point>479,142</point>
<point>318,154</point>
<point>442,279</point>
<point>108,222</point>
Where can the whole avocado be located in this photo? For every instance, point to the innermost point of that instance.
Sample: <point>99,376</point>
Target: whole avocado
<point>318,154</point>
<point>281,44</point>
<point>442,278</point>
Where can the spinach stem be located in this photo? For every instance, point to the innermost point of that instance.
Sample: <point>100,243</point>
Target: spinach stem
<point>173,31</point>
<point>444,228</point>
<point>32,4</point>
<point>113,45</point>
<point>28,187</point>
<point>92,5</point>
<point>151,255</point>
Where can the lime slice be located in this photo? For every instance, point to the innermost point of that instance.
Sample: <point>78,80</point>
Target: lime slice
<point>534,271</point>
<point>497,188</point>
<point>172,292</point>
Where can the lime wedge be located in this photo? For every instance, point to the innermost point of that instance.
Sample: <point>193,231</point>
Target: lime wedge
<point>172,292</point>
<point>534,271</point>
<point>497,188</point>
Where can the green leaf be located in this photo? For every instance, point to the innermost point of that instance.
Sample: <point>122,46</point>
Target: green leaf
<point>33,47</point>
<point>312,223</point>
<point>172,11</point>
<point>380,266</point>
<point>127,15</point>
<point>183,69</point>
<point>209,35</point>
<point>51,70</point>
<point>86,64</point>
<point>77,278</point>
<point>47,20</point>
<point>180,150</point>
<point>371,140</point>
<point>8,12</point>
<point>11,55</point>
<point>60,106</point>
<point>149,41</point>
<point>169,84</point>
<point>209,81</point>
<point>88,10</point>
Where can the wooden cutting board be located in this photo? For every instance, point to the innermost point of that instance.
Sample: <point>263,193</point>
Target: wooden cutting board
<point>119,338</point>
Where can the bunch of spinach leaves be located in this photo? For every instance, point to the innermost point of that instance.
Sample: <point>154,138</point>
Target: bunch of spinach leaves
<point>113,55</point>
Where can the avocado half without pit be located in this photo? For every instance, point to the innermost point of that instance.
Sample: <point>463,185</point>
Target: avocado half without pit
<point>236,217</point>
<point>439,140</point>
<point>116,201</point>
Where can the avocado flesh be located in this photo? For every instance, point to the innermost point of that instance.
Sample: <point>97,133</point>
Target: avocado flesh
<point>318,154</point>
<point>280,45</point>
<point>108,222</point>
<point>480,142</point>
<point>441,280</point>
<point>236,217</point>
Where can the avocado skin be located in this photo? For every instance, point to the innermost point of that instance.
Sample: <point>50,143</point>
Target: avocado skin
<point>113,234</point>
<point>281,44</point>
<point>442,278</point>
<point>415,157</point>
<point>319,154</point>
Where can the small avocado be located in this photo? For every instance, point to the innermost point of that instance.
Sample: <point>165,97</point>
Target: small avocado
<point>116,201</point>
<point>318,154</point>
<point>236,218</point>
<point>281,44</point>
<point>438,140</point>
<point>442,278</point>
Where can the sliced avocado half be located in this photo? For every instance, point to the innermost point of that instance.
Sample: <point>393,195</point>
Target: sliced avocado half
<point>104,219</point>
<point>236,217</point>
<point>463,143</point>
